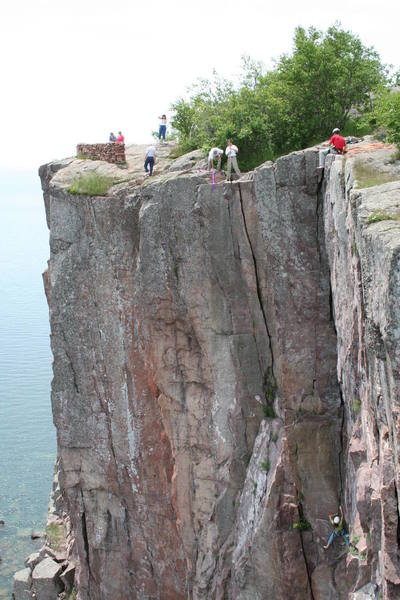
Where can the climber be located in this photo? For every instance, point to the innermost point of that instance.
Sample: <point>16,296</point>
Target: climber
<point>337,145</point>
<point>215,153</point>
<point>120,138</point>
<point>163,128</point>
<point>150,159</point>
<point>231,152</point>
<point>338,529</point>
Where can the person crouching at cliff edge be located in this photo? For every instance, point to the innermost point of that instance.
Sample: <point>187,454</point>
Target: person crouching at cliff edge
<point>231,152</point>
<point>338,529</point>
<point>337,145</point>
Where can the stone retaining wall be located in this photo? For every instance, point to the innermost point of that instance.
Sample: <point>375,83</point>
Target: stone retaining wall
<point>111,152</point>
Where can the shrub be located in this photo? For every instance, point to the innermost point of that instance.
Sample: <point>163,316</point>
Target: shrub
<point>302,525</point>
<point>269,412</point>
<point>92,184</point>
<point>386,114</point>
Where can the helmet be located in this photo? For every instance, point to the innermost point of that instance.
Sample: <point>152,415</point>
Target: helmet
<point>336,130</point>
<point>336,520</point>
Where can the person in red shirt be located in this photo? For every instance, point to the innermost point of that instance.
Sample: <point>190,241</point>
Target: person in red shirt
<point>337,145</point>
<point>120,138</point>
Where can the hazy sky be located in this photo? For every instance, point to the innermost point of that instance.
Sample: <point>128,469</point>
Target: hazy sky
<point>74,70</point>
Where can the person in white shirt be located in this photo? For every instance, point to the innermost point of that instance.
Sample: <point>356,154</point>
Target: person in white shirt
<point>212,155</point>
<point>150,159</point>
<point>231,152</point>
<point>163,128</point>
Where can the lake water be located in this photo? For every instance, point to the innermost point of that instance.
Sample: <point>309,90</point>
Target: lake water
<point>27,435</point>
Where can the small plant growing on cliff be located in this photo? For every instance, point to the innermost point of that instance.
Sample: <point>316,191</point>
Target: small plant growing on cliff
<point>269,412</point>
<point>382,215</point>
<point>302,525</point>
<point>274,438</point>
<point>91,184</point>
<point>356,405</point>
<point>254,488</point>
<point>73,594</point>
<point>265,465</point>
<point>269,385</point>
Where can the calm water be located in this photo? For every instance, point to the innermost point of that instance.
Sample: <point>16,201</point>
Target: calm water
<point>27,435</point>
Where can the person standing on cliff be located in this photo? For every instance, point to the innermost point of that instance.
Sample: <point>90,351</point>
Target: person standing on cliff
<point>338,529</point>
<point>120,138</point>
<point>337,145</point>
<point>231,152</point>
<point>112,138</point>
<point>163,128</point>
<point>150,159</point>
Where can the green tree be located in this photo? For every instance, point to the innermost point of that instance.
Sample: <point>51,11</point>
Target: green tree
<point>325,82</point>
<point>386,114</point>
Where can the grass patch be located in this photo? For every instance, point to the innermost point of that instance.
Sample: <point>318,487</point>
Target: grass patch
<point>56,534</point>
<point>355,540</point>
<point>356,405</point>
<point>91,184</point>
<point>265,465</point>
<point>82,156</point>
<point>368,176</point>
<point>302,525</point>
<point>73,595</point>
<point>382,215</point>
<point>395,157</point>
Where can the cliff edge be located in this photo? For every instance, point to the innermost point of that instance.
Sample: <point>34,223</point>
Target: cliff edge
<point>226,374</point>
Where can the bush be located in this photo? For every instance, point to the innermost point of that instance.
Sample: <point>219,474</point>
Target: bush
<point>91,184</point>
<point>302,525</point>
<point>386,114</point>
<point>269,412</point>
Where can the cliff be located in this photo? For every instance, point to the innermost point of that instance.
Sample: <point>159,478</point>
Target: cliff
<point>226,373</point>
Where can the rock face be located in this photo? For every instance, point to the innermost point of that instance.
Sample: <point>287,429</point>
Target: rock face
<point>225,375</point>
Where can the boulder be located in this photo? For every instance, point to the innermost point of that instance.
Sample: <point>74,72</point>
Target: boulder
<point>22,585</point>
<point>32,560</point>
<point>46,580</point>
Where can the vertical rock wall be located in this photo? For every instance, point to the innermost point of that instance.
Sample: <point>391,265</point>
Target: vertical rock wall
<point>365,273</point>
<point>202,433</point>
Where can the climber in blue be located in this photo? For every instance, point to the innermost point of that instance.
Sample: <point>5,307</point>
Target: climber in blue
<point>338,529</point>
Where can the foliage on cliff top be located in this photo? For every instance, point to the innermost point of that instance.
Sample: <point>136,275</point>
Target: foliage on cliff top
<point>292,106</point>
<point>91,184</point>
<point>385,114</point>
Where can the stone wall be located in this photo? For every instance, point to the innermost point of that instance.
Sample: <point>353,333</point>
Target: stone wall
<point>112,152</point>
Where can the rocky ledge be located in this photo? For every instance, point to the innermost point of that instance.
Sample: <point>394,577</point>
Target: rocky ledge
<point>226,374</point>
